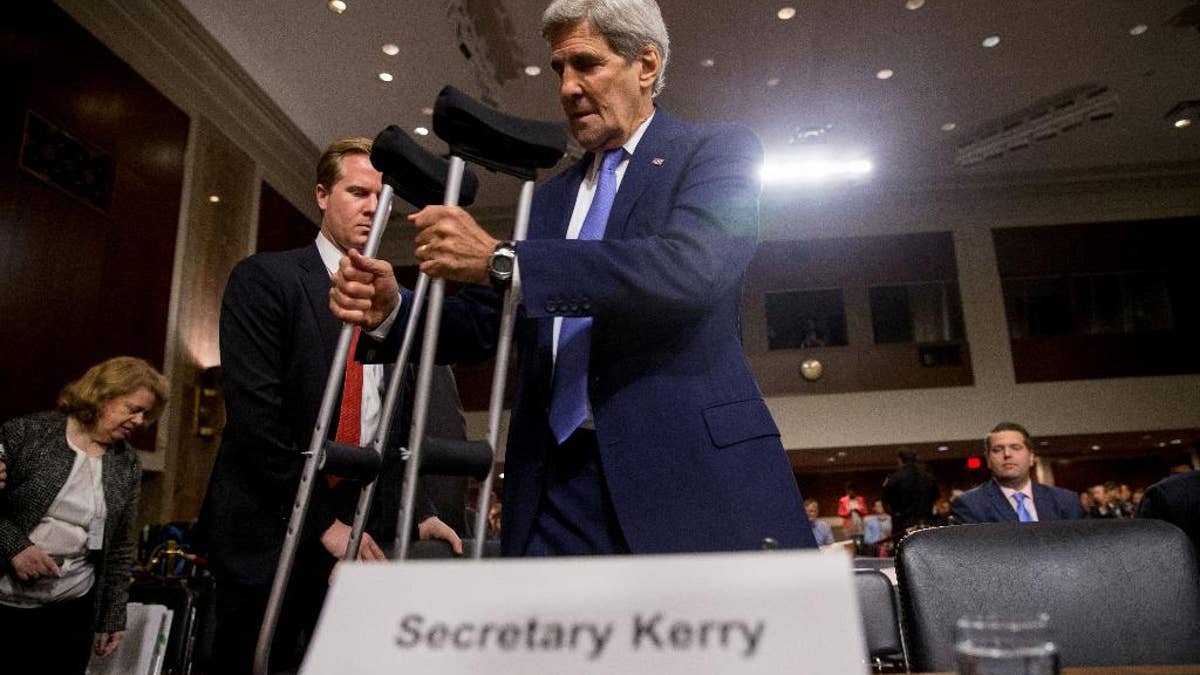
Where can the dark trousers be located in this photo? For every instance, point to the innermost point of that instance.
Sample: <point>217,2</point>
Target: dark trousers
<point>240,610</point>
<point>54,638</point>
<point>576,515</point>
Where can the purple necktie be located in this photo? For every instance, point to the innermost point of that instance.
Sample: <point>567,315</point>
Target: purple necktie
<point>1023,514</point>
<point>568,402</point>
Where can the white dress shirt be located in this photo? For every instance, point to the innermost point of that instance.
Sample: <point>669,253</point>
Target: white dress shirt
<point>372,403</point>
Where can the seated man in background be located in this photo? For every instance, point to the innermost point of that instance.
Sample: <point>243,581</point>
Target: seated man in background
<point>1010,496</point>
<point>821,530</point>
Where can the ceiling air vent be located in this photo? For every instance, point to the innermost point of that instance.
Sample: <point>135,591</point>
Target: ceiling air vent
<point>1038,123</point>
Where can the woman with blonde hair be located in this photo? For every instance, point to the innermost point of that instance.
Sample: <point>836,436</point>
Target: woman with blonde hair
<point>67,516</point>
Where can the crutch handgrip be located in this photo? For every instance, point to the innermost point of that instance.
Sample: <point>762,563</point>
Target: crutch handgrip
<point>501,142</point>
<point>417,175</point>
<point>451,457</point>
<point>351,462</point>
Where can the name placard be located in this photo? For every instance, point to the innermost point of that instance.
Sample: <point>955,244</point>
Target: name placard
<point>771,612</point>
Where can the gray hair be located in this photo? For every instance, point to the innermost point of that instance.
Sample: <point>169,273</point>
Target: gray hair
<point>628,25</point>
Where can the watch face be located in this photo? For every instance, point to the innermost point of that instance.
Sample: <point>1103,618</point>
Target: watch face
<point>502,264</point>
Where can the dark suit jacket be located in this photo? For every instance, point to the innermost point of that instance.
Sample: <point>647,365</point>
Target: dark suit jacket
<point>985,503</point>
<point>278,339</point>
<point>691,455</point>
<point>1177,501</point>
<point>39,464</point>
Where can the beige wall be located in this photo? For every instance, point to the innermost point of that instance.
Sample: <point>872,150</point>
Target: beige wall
<point>929,415</point>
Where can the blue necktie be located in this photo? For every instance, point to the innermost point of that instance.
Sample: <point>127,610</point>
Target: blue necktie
<point>568,402</point>
<point>1022,513</point>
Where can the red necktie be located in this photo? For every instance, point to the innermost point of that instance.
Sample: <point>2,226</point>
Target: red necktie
<point>349,429</point>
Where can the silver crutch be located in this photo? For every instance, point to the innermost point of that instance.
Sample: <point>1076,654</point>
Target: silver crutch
<point>414,174</point>
<point>506,144</point>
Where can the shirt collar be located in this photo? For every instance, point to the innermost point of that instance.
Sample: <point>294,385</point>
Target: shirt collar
<point>330,255</point>
<point>1009,492</point>
<point>629,145</point>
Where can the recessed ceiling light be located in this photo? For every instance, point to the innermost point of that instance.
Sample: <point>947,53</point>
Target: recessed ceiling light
<point>773,82</point>
<point>421,131</point>
<point>386,77</point>
<point>1162,444</point>
<point>841,453</point>
<point>786,13</point>
<point>533,71</point>
<point>1139,29</point>
<point>1095,447</point>
<point>1044,443</point>
<point>949,126</point>
<point>501,475</point>
<point>426,111</point>
<point>391,49</point>
<point>214,198</point>
<point>1182,122</point>
<point>914,4</point>
<point>1176,441</point>
<point>833,459</point>
<point>336,6</point>
<point>991,41</point>
<point>708,63</point>
<point>885,74</point>
<point>940,448</point>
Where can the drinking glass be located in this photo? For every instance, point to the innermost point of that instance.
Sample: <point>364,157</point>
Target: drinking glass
<point>993,645</point>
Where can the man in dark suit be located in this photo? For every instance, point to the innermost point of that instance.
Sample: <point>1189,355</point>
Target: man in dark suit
<point>637,424</point>
<point>277,345</point>
<point>909,494</point>
<point>1010,496</point>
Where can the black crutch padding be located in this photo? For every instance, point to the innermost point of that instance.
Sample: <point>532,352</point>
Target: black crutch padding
<point>453,457</point>
<point>481,134</point>
<point>417,175</point>
<point>510,145</point>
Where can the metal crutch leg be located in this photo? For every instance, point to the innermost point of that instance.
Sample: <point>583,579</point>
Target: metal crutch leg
<point>410,171</point>
<point>509,145</point>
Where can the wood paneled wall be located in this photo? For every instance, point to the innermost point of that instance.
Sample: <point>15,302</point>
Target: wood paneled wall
<point>80,285</point>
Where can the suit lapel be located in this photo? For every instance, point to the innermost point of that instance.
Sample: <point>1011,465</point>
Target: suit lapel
<point>561,203</point>
<point>1043,501</point>
<point>1000,503</point>
<point>652,154</point>
<point>315,279</point>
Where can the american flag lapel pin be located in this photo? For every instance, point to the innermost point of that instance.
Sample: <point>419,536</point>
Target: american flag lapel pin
<point>658,161</point>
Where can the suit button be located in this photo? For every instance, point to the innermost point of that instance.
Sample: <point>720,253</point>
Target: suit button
<point>587,306</point>
<point>573,308</point>
<point>551,307</point>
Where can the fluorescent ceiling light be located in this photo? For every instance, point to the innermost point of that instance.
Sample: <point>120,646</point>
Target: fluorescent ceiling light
<point>991,41</point>
<point>386,77</point>
<point>391,49</point>
<point>421,131</point>
<point>1139,29</point>
<point>885,74</point>
<point>813,170</point>
<point>533,71</point>
<point>336,6</point>
<point>786,13</point>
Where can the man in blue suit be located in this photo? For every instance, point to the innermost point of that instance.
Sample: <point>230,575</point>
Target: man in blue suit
<point>637,425</point>
<point>1010,496</point>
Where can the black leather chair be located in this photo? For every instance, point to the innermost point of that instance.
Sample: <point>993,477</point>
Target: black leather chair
<point>881,620</point>
<point>1118,592</point>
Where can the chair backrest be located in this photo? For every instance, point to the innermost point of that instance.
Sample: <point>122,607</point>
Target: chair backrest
<point>1118,592</point>
<point>881,620</point>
